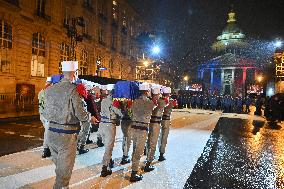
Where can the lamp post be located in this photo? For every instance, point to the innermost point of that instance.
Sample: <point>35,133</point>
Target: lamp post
<point>73,33</point>
<point>185,79</point>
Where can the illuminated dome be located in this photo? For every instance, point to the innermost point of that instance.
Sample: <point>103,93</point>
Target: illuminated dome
<point>232,38</point>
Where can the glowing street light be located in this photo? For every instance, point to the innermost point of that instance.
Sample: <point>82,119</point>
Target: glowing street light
<point>146,63</point>
<point>278,43</point>
<point>156,50</point>
<point>185,78</point>
<point>259,78</point>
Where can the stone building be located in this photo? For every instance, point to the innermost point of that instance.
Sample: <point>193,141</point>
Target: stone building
<point>229,72</point>
<point>33,42</point>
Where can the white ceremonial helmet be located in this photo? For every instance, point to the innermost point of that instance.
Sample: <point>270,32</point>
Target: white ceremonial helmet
<point>103,87</point>
<point>167,90</point>
<point>97,85</point>
<point>69,66</point>
<point>89,85</point>
<point>110,87</point>
<point>48,79</point>
<point>156,89</point>
<point>144,87</point>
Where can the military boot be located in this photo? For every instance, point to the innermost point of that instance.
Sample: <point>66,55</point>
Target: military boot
<point>148,167</point>
<point>135,177</point>
<point>111,163</point>
<point>161,157</point>
<point>105,172</point>
<point>46,153</point>
<point>82,150</point>
<point>124,160</point>
<point>100,142</point>
<point>89,141</point>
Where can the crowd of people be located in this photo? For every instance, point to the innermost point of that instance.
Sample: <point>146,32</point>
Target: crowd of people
<point>226,103</point>
<point>270,107</point>
<point>72,109</point>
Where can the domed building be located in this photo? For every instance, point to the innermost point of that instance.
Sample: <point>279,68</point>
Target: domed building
<point>232,39</point>
<point>229,72</point>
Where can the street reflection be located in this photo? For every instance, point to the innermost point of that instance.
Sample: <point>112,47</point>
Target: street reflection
<point>241,153</point>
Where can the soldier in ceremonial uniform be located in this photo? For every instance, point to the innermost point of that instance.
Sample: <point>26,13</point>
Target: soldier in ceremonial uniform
<point>142,110</point>
<point>166,121</point>
<point>65,110</point>
<point>126,131</point>
<point>46,150</point>
<point>155,126</point>
<point>92,109</point>
<point>107,129</point>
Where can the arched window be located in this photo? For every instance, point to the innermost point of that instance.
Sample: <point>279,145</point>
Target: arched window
<point>38,55</point>
<point>64,54</point>
<point>83,63</point>
<point>5,46</point>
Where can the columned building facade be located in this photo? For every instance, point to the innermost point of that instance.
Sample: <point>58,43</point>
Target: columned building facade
<point>229,72</point>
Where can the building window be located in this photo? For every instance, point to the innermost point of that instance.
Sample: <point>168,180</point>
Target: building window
<point>5,35</point>
<point>66,16</point>
<point>111,64</point>
<point>88,4</point>
<point>102,9</point>
<point>83,63</point>
<point>5,46</point>
<point>5,60</point>
<point>41,4</point>
<point>113,42</point>
<point>38,55</point>
<point>101,35</point>
<point>123,46</point>
<point>65,54</point>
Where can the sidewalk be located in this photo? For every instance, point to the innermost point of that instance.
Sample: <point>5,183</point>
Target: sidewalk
<point>19,116</point>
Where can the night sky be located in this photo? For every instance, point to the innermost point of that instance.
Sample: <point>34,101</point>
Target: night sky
<point>189,27</point>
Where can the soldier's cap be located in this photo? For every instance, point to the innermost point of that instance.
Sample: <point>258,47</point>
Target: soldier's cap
<point>110,87</point>
<point>144,87</point>
<point>156,90</point>
<point>103,87</point>
<point>48,79</point>
<point>167,90</point>
<point>69,66</point>
<point>89,85</point>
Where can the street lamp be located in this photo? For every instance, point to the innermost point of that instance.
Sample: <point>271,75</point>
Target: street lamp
<point>259,79</point>
<point>146,63</point>
<point>278,43</point>
<point>156,49</point>
<point>185,78</point>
